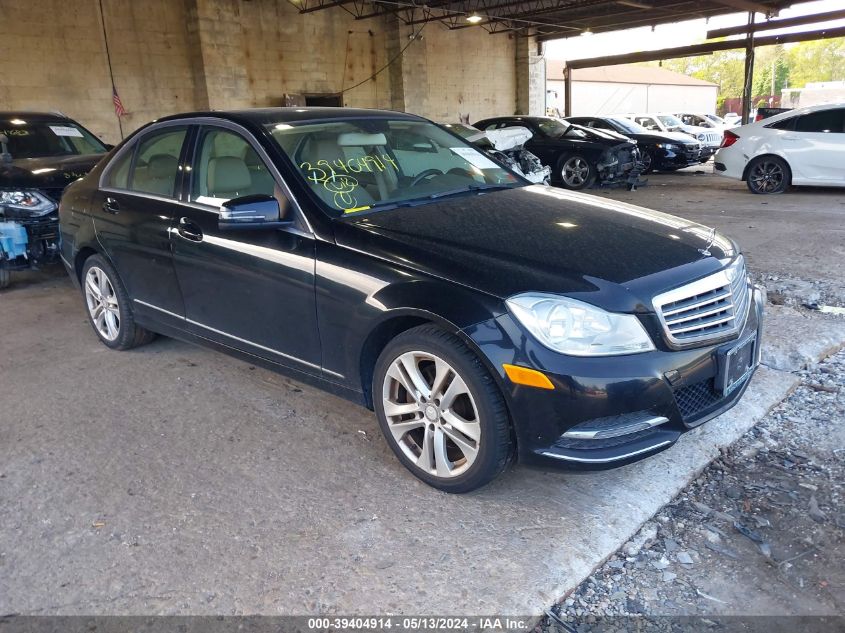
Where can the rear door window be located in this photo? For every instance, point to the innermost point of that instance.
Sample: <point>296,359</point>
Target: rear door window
<point>824,121</point>
<point>157,163</point>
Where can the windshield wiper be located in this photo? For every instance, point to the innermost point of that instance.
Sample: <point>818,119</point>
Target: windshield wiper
<point>414,202</point>
<point>467,189</point>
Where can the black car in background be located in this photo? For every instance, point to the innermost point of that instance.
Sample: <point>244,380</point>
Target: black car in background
<point>388,261</point>
<point>40,154</point>
<point>578,157</point>
<point>661,151</point>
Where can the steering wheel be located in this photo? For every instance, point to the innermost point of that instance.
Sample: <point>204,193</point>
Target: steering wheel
<point>428,173</point>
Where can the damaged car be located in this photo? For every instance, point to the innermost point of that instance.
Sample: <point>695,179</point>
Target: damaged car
<point>578,157</point>
<point>507,145</point>
<point>481,317</point>
<point>40,154</point>
<point>661,151</point>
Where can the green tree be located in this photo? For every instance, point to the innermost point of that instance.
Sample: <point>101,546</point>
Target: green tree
<point>822,60</point>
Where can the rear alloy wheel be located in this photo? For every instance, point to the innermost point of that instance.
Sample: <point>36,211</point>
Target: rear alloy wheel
<point>576,172</point>
<point>108,306</point>
<point>440,410</point>
<point>768,174</point>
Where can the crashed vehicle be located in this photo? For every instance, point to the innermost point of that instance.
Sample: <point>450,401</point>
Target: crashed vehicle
<point>577,156</point>
<point>40,154</point>
<point>506,145</point>
<point>663,151</point>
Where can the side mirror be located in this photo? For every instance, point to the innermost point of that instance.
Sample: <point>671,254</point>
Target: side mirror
<point>254,212</point>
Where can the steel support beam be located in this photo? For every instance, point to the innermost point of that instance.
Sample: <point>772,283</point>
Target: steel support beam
<point>567,82</point>
<point>705,49</point>
<point>748,77</point>
<point>776,24</point>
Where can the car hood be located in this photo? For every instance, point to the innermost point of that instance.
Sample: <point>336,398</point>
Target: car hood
<point>604,137</point>
<point>50,174</point>
<point>539,238</point>
<point>677,137</point>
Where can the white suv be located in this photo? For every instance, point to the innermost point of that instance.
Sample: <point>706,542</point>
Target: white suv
<point>709,138</point>
<point>799,147</point>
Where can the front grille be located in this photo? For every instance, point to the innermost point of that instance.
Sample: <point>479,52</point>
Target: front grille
<point>710,138</point>
<point>696,398</point>
<point>706,310</point>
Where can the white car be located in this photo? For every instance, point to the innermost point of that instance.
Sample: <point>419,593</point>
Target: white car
<point>709,138</point>
<point>700,119</point>
<point>732,119</point>
<point>799,147</point>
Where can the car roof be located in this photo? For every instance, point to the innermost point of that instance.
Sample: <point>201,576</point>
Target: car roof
<point>33,116</point>
<point>799,111</point>
<point>263,116</point>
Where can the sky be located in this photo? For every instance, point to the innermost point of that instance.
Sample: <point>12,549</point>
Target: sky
<point>679,34</point>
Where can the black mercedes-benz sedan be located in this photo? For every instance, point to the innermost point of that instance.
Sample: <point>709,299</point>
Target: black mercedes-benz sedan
<point>579,157</point>
<point>388,261</point>
<point>40,154</point>
<point>663,151</point>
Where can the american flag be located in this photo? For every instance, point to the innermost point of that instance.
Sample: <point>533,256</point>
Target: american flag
<point>119,110</point>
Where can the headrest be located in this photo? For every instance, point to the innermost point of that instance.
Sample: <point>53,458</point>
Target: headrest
<point>251,159</point>
<point>162,166</point>
<point>358,139</point>
<point>228,173</point>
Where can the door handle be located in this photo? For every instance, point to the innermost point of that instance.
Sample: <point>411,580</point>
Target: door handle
<point>790,137</point>
<point>111,206</point>
<point>189,230</point>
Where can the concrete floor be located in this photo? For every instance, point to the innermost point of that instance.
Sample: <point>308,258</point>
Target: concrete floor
<point>172,479</point>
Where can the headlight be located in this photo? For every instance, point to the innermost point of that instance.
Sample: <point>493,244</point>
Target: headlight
<point>34,202</point>
<point>576,328</point>
<point>669,146</point>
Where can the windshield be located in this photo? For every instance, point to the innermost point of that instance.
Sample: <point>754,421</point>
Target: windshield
<point>38,139</point>
<point>553,128</point>
<point>668,120</point>
<point>361,164</point>
<point>627,126</point>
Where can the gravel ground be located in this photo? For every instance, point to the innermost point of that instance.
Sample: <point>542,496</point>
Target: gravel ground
<point>761,532</point>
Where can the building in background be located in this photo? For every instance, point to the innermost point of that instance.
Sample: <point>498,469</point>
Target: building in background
<point>628,88</point>
<point>814,93</point>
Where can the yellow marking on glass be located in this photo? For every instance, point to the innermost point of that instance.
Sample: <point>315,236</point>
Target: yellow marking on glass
<point>354,209</point>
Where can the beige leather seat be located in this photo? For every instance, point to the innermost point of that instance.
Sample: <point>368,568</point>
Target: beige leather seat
<point>228,177</point>
<point>159,175</point>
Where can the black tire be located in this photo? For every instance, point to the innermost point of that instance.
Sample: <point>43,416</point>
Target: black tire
<point>495,446</point>
<point>567,168</point>
<point>129,334</point>
<point>647,160</point>
<point>768,175</point>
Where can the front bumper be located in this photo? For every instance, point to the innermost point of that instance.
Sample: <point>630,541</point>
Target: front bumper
<point>667,159</point>
<point>609,411</point>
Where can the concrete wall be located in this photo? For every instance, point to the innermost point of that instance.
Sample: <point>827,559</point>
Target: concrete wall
<point>53,57</point>
<point>180,55</point>
<point>590,97</point>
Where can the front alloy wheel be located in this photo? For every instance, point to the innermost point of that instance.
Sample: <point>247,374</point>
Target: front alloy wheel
<point>577,173</point>
<point>431,414</point>
<point>440,410</point>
